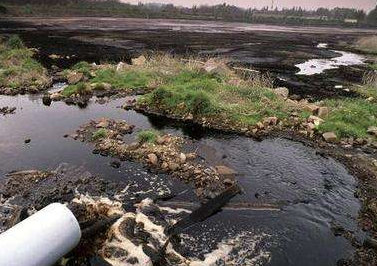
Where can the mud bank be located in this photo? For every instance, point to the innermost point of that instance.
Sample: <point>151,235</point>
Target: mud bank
<point>265,48</point>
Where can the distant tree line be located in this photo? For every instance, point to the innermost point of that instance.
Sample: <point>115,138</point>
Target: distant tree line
<point>295,15</point>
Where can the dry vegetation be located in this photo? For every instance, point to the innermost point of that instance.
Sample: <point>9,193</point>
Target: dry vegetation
<point>367,44</point>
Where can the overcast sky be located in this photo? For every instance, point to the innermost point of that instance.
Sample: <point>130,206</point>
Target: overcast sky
<point>308,4</point>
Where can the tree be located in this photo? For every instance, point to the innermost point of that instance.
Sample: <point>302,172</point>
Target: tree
<point>372,16</point>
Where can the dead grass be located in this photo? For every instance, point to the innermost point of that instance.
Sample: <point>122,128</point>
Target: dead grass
<point>367,44</point>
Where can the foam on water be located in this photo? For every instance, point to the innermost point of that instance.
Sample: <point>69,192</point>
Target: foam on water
<point>317,66</point>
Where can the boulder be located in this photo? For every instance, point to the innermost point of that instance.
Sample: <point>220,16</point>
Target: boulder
<point>139,61</point>
<point>372,131</point>
<point>323,111</point>
<point>191,156</point>
<point>315,120</point>
<point>329,136</point>
<point>281,92</point>
<point>74,77</point>
<point>225,171</point>
<point>270,121</point>
<point>173,166</point>
<point>121,66</point>
<point>260,125</point>
<point>312,108</point>
<point>152,158</point>
<point>213,66</point>
<point>56,96</point>
<point>102,124</point>
<point>182,158</point>
<point>310,127</point>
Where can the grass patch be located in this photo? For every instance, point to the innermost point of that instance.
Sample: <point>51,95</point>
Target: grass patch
<point>17,66</point>
<point>350,117</point>
<point>99,134</point>
<point>373,66</point>
<point>127,79</point>
<point>147,136</point>
<point>207,95</point>
<point>80,88</point>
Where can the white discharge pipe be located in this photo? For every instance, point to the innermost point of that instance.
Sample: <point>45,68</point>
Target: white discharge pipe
<point>41,239</point>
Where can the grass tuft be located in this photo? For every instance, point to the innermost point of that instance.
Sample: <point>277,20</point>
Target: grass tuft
<point>99,134</point>
<point>147,136</point>
<point>15,42</point>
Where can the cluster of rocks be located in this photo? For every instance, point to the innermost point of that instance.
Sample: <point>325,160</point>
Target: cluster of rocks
<point>7,110</point>
<point>112,232</point>
<point>32,89</point>
<point>165,155</point>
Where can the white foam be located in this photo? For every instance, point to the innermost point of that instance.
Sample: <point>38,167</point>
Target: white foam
<point>317,66</point>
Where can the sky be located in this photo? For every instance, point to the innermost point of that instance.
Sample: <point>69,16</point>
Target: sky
<point>308,4</point>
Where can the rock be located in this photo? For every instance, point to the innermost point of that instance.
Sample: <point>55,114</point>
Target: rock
<point>310,127</point>
<point>27,140</point>
<point>270,121</point>
<point>329,136</point>
<point>213,66</point>
<point>228,182</point>
<point>189,117</point>
<point>282,92</point>
<point>133,146</point>
<point>102,124</point>
<point>312,108</point>
<point>46,100</point>
<point>323,111</point>
<point>74,77</point>
<point>292,103</point>
<point>182,158</point>
<point>315,120</point>
<point>260,125</point>
<point>225,171</point>
<point>139,61</point>
<point>191,156</point>
<point>56,96</point>
<point>372,131</point>
<point>164,165</point>
<point>106,86</point>
<point>121,66</point>
<point>115,164</point>
<point>152,158</point>
<point>173,166</point>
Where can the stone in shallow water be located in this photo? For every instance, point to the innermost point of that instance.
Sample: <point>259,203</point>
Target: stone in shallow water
<point>329,136</point>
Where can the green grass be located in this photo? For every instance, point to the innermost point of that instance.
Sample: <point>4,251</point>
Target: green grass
<point>17,66</point>
<point>80,88</point>
<point>147,136</point>
<point>99,134</point>
<point>373,66</point>
<point>350,117</point>
<point>128,79</point>
<point>83,67</point>
<point>205,95</point>
<point>368,91</point>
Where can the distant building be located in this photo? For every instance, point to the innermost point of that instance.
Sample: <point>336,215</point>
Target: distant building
<point>349,20</point>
